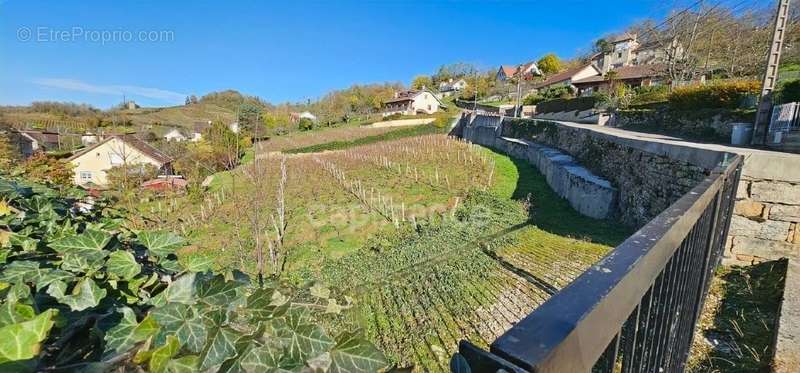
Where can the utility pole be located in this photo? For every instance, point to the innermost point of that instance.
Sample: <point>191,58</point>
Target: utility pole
<point>519,93</point>
<point>760,128</point>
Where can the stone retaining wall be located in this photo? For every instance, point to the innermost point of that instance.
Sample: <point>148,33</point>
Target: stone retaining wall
<point>651,173</point>
<point>766,220</point>
<point>587,193</point>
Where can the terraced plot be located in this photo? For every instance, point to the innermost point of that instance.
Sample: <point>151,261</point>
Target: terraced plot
<point>435,240</point>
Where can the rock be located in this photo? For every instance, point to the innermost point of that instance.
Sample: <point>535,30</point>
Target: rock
<point>742,191</point>
<point>749,208</point>
<point>774,230</point>
<point>784,213</point>
<point>766,249</point>
<point>741,226</point>
<point>794,235</point>
<point>775,192</point>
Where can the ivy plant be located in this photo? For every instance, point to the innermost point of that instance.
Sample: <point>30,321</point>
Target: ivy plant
<point>81,292</point>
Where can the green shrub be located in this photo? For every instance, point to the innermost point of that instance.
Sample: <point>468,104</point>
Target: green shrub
<point>650,95</point>
<point>557,92</point>
<point>721,95</point>
<point>393,116</point>
<point>305,124</point>
<point>533,99</point>
<point>568,104</point>
<point>788,91</point>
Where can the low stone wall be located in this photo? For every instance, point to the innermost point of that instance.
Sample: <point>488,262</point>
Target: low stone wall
<point>401,122</point>
<point>587,193</point>
<point>715,124</point>
<point>591,116</point>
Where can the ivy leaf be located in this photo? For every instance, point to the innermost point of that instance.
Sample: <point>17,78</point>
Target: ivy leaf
<point>25,243</point>
<point>301,338</point>
<point>268,358</point>
<point>85,295</point>
<point>21,272</point>
<point>52,276</point>
<point>186,364</point>
<point>181,320</point>
<point>196,263</point>
<point>13,190</point>
<point>221,346</point>
<point>84,260</point>
<point>354,354</point>
<point>13,313</point>
<point>182,290</point>
<point>161,243</point>
<point>128,332</point>
<point>22,341</point>
<point>123,265</point>
<point>216,291</point>
<point>162,355</point>
<point>170,265</point>
<point>88,240</point>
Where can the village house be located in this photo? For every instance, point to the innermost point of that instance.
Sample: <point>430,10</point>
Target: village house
<point>89,139</point>
<point>505,72</point>
<point>565,78</point>
<point>29,142</point>
<point>526,71</point>
<point>626,50</point>
<point>198,129</point>
<point>452,86</point>
<point>633,76</point>
<point>91,164</point>
<point>174,134</point>
<point>295,117</point>
<point>412,102</point>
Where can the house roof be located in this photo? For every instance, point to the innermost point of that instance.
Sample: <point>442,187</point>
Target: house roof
<point>43,137</point>
<point>508,70</point>
<point>628,73</point>
<point>562,76</point>
<point>410,95</point>
<point>404,96</point>
<point>622,37</point>
<point>199,127</point>
<point>134,142</point>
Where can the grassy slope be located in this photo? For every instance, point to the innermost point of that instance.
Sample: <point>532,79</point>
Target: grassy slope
<point>392,135</point>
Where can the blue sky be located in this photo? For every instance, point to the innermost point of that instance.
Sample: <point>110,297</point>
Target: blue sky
<point>156,52</point>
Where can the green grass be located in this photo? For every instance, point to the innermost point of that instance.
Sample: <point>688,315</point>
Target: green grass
<point>411,131</point>
<point>516,179</point>
<point>741,312</point>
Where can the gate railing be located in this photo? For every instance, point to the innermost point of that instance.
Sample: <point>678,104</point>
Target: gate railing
<point>636,309</point>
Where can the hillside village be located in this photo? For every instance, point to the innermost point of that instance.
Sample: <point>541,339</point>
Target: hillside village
<point>633,207</point>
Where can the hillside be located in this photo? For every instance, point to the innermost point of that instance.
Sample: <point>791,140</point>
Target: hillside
<point>67,116</point>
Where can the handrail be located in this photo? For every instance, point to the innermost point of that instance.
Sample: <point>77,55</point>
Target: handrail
<point>648,289</point>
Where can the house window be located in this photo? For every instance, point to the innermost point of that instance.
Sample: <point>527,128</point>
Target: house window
<point>429,108</point>
<point>619,55</point>
<point>115,159</point>
<point>86,175</point>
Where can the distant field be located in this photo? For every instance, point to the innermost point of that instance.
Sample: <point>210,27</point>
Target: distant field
<point>435,240</point>
<point>341,137</point>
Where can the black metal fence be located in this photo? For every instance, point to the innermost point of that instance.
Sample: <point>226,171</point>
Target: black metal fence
<point>636,309</point>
